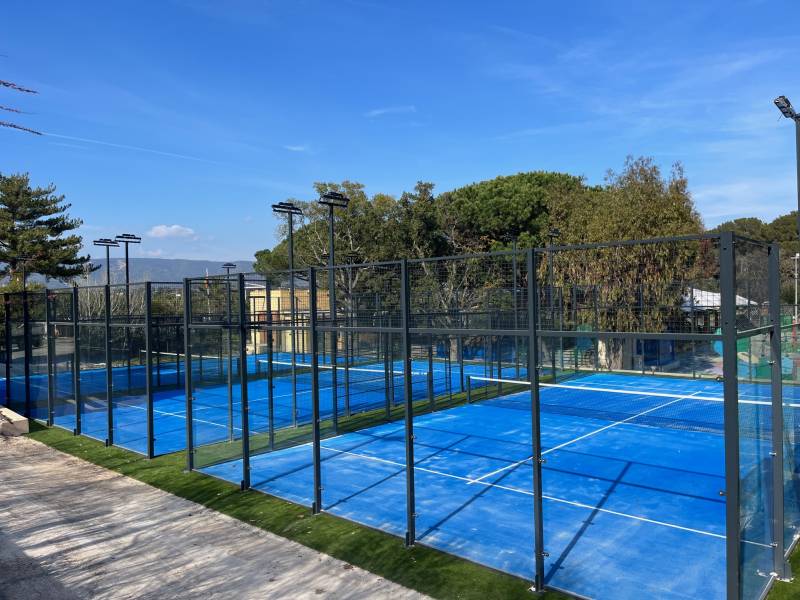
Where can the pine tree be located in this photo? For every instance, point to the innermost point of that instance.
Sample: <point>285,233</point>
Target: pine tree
<point>36,233</point>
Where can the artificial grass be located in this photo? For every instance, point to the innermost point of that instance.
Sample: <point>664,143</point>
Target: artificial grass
<point>426,570</point>
<point>788,590</point>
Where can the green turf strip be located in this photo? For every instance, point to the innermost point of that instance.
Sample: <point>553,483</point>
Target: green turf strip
<point>429,571</point>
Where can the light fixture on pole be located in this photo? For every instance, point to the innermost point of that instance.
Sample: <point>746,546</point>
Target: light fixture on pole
<point>783,104</point>
<point>291,210</point>
<point>127,238</point>
<point>108,243</point>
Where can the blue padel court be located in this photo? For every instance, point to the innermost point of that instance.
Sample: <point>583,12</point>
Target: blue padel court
<point>643,492</point>
<point>215,418</point>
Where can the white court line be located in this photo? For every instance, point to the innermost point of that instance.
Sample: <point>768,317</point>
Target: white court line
<point>583,437</point>
<point>177,415</point>
<point>544,496</point>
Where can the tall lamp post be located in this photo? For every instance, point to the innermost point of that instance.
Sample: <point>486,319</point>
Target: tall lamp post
<point>127,239</point>
<point>552,234</point>
<point>229,266</point>
<point>107,243</point>
<point>783,104</point>
<point>333,200</point>
<point>291,210</point>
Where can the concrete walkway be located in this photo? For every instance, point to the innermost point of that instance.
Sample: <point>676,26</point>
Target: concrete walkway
<point>71,530</point>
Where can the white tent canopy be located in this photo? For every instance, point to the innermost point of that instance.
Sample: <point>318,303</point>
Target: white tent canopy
<point>699,300</point>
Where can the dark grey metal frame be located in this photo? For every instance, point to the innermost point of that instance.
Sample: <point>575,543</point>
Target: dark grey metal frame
<point>531,330</point>
<point>75,321</point>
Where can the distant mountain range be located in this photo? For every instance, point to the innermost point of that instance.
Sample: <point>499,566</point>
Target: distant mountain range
<point>151,269</point>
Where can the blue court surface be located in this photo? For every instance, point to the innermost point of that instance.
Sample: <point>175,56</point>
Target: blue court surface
<point>215,418</point>
<point>633,506</point>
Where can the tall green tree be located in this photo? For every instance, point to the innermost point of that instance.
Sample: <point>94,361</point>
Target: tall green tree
<point>476,217</point>
<point>36,232</point>
<point>639,287</point>
<point>782,230</point>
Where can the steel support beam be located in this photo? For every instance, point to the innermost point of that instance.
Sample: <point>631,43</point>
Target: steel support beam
<point>727,280</point>
<point>187,371</point>
<point>536,441</point>
<point>405,340</point>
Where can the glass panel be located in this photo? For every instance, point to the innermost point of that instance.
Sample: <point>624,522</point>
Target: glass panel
<point>38,377</point>
<point>5,355</point>
<point>168,364</point>
<point>364,467</point>
<point>64,405</point>
<point>94,398</point>
<point>62,344</point>
<point>18,383</point>
<point>756,464</point>
<point>129,397</point>
<point>790,370</point>
<point>281,460</point>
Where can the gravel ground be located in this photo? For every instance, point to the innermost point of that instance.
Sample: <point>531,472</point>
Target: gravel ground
<point>72,530</point>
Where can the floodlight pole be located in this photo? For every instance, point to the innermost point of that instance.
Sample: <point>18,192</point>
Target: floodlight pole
<point>127,239</point>
<point>333,200</point>
<point>552,234</point>
<point>228,267</point>
<point>289,209</point>
<point>108,265</point>
<point>107,243</point>
<point>783,104</point>
<point>293,319</point>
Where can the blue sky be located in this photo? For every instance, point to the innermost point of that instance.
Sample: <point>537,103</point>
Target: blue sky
<point>183,120</point>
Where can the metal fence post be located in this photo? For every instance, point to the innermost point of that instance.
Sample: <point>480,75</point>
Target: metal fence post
<point>243,382</point>
<point>536,449</point>
<point>148,365</point>
<point>780,567</point>
<point>76,359</point>
<point>316,505</point>
<point>727,280</point>
<point>187,370</point>
<point>109,368</point>
<point>49,341</point>
<point>408,397</point>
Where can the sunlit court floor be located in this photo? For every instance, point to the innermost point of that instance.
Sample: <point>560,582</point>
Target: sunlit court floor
<point>630,510</point>
<point>621,496</point>
<point>215,417</point>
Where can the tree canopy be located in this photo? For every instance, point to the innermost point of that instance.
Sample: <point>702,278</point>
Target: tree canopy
<point>638,202</point>
<point>36,232</point>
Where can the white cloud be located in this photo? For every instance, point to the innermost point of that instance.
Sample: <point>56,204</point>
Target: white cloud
<point>390,110</point>
<point>299,148</point>
<point>170,231</point>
